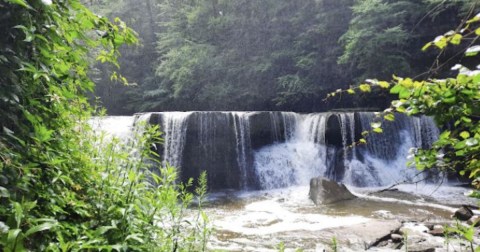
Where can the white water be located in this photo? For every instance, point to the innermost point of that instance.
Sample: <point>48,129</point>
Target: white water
<point>298,159</point>
<point>242,137</point>
<point>174,129</point>
<point>299,151</point>
<point>114,126</point>
<point>304,155</point>
<point>259,220</point>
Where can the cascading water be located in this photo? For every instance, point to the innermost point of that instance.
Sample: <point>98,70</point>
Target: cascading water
<point>296,160</point>
<point>242,143</point>
<point>265,150</point>
<point>174,128</point>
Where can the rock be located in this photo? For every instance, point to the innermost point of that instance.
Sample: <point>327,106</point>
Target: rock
<point>333,132</point>
<point>367,235</point>
<point>437,230</point>
<point>396,237</point>
<point>324,191</point>
<point>265,130</point>
<point>464,213</point>
<point>474,220</point>
<point>411,228</point>
<point>422,244</point>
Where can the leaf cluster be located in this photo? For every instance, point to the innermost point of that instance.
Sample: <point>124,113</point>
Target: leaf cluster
<point>60,189</point>
<point>453,102</point>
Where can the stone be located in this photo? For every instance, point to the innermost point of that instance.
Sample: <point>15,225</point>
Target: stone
<point>464,213</point>
<point>324,191</point>
<point>264,131</point>
<point>363,236</point>
<point>333,132</point>
<point>396,237</point>
<point>474,220</point>
<point>437,231</point>
<point>423,244</point>
<point>411,228</point>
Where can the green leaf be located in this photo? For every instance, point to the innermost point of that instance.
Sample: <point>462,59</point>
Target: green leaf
<point>18,213</point>
<point>41,227</point>
<point>376,125</point>
<point>426,46</point>
<point>445,134</point>
<point>103,229</point>
<point>22,3</point>
<point>460,145</point>
<point>456,39</point>
<point>449,100</point>
<point>389,117</point>
<point>465,134</point>
<point>136,237</point>
<point>365,88</point>
<point>404,94</point>
<point>29,37</point>
<point>471,142</point>
<point>466,119</point>
<point>440,42</point>
<point>12,236</point>
<point>350,91</point>
<point>4,192</point>
<point>472,51</point>
<point>477,31</point>
<point>384,84</point>
<point>469,233</point>
<point>396,89</point>
<point>378,130</point>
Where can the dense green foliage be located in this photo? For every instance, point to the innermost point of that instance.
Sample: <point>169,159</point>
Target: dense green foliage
<point>63,188</point>
<point>269,55</point>
<point>454,103</point>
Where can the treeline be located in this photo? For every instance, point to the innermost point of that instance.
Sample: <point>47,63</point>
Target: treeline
<point>269,54</point>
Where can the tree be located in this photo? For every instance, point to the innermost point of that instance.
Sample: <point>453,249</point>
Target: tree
<point>62,187</point>
<point>384,35</point>
<point>453,102</point>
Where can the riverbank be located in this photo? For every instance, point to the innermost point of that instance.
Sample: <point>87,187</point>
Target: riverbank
<point>261,220</point>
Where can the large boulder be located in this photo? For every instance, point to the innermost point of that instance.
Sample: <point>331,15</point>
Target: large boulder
<point>324,191</point>
<point>464,213</point>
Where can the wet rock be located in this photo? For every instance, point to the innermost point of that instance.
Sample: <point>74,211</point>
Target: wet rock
<point>464,213</point>
<point>324,191</point>
<point>333,132</point>
<point>474,220</point>
<point>265,130</point>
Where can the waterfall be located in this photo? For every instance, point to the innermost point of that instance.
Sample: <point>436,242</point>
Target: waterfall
<point>174,129</point>
<point>266,150</point>
<point>117,126</point>
<point>296,160</point>
<point>242,143</point>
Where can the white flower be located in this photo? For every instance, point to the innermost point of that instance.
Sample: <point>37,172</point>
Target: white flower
<point>47,2</point>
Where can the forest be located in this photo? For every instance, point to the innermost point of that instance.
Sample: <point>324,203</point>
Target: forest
<point>269,55</point>
<point>252,109</point>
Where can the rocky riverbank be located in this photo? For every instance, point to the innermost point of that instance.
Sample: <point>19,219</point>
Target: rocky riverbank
<point>373,221</point>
